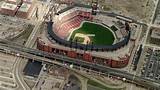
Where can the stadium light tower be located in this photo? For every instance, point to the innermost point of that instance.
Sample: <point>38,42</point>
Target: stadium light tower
<point>94,7</point>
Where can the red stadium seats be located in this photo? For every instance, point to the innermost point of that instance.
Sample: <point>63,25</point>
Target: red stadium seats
<point>70,22</point>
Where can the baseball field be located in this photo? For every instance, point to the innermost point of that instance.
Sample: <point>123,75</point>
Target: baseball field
<point>92,32</point>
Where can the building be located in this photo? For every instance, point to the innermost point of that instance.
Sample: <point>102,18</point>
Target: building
<point>155,36</point>
<point>24,10</point>
<point>28,1</point>
<point>116,55</point>
<point>8,9</point>
<point>19,1</point>
<point>66,1</point>
<point>16,2</point>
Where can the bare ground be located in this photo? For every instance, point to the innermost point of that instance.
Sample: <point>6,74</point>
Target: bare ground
<point>137,9</point>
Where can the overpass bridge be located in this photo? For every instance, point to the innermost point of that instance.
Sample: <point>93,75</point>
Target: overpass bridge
<point>42,56</point>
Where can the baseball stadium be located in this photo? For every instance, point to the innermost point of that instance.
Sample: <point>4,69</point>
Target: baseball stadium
<point>78,33</point>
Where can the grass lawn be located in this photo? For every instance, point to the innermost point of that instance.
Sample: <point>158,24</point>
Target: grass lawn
<point>93,83</point>
<point>103,36</point>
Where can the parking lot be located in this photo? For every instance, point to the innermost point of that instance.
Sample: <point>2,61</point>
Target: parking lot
<point>7,81</point>
<point>151,67</point>
<point>157,15</point>
<point>51,77</point>
<point>72,84</point>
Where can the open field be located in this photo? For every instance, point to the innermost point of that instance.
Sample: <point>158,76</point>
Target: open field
<point>97,86</point>
<point>138,9</point>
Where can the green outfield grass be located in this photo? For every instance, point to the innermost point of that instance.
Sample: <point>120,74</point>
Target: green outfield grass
<point>103,36</point>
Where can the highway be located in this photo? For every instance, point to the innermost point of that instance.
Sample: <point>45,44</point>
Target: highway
<point>34,53</point>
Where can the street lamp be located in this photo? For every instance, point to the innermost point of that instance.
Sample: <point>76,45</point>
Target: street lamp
<point>71,66</point>
<point>18,54</point>
<point>124,79</point>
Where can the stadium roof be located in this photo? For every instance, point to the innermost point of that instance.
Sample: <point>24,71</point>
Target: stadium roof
<point>8,6</point>
<point>155,33</point>
<point>25,7</point>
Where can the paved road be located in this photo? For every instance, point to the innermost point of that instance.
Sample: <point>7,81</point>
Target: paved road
<point>130,77</point>
<point>156,12</point>
<point>151,23</point>
<point>19,65</point>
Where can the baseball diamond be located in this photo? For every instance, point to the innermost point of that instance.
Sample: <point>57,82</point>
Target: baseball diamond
<point>97,33</point>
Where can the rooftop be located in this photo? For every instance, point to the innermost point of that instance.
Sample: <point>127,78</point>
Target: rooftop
<point>28,1</point>
<point>8,6</point>
<point>13,0</point>
<point>155,33</point>
<point>25,7</point>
